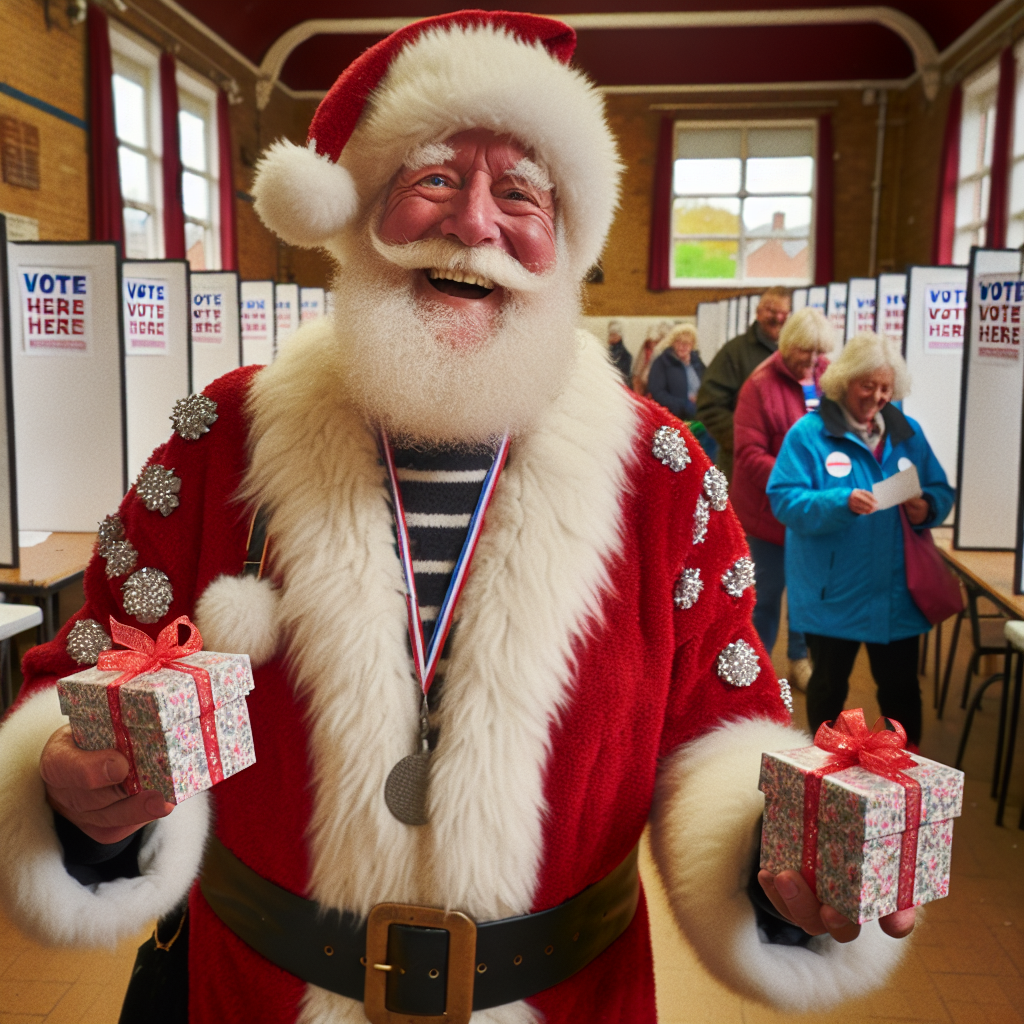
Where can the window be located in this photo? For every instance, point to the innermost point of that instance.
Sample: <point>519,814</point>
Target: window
<point>197,130</point>
<point>977,137</point>
<point>137,123</point>
<point>743,203</point>
<point>1015,219</point>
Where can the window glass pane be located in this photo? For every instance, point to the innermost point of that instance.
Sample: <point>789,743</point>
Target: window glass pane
<point>962,242</point>
<point>968,203</point>
<point>1015,233</point>
<point>130,111</point>
<point>777,215</point>
<point>195,245</point>
<point>1017,186</point>
<point>708,143</point>
<point>777,258</point>
<point>780,174</point>
<point>138,234</point>
<point>192,132</point>
<point>704,258</point>
<point>706,216</point>
<point>1018,115</point>
<point>990,134</point>
<point>970,146</point>
<point>779,142</point>
<point>195,195</point>
<point>704,177</point>
<point>134,169</point>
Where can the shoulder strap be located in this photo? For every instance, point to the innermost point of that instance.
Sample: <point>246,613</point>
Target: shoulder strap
<point>256,547</point>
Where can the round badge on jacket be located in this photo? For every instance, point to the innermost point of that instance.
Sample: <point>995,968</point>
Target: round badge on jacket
<point>838,464</point>
<point>904,464</point>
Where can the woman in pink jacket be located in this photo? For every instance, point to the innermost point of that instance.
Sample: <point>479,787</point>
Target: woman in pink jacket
<point>781,390</point>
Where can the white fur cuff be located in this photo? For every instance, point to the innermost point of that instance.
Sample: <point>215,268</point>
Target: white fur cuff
<point>705,837</point>
<point>38,894</point>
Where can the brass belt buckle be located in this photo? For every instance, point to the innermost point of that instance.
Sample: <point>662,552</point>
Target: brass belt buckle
<point>461,962</point>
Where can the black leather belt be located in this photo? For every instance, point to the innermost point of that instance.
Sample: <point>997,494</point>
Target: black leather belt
<point>416,961</point>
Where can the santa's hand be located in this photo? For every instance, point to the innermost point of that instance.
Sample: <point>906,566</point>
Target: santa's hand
<point>85,787</point>
<point>792,897</point>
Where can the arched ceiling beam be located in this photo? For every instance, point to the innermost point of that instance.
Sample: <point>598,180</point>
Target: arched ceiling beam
<point>926,57</point>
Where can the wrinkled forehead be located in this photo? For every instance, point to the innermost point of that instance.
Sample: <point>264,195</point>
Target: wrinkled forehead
<point>504,154</point>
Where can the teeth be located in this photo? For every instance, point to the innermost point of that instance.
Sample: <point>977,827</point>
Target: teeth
<point>457,275</point>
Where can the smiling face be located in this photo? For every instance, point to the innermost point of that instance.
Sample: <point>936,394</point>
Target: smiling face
<point>865,396</point>
<point>482,192</point>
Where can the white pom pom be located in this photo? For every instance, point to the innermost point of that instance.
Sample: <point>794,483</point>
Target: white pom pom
<point>238,615</point>
<point>302,197</point>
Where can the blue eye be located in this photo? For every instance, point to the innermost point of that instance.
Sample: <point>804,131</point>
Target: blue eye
<point>435,180</point>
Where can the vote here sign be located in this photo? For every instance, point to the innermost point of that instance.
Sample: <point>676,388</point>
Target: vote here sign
<point>944,312</point>
<point>145,316</point>
<point>255,322</point>
<point>999,299</point>
<point>208,316</point>
<point>55,309</point>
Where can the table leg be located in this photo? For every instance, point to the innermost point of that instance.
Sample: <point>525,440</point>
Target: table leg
<point>1011,738</point>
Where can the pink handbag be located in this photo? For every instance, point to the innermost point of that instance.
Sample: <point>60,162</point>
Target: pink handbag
<point>934,587</point>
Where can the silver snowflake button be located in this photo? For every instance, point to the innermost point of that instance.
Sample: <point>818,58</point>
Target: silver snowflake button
<point>738,665</point>
<point>739,577</point>
<point>688,588</point>
<point>786,694</point>
<point>120,558</point>
<point>716,487</point>
<point>669,448</point>
<point>701,515</point>
<point>147,594</point>
<point>158,488</point>
<point>193,416</point>
<point>111,530</point>
<point>87,641</point>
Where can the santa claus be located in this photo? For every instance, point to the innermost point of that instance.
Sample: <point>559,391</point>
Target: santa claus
<point>503,619</point>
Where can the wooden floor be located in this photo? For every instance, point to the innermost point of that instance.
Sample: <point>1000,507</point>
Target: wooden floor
<point>966,965</point>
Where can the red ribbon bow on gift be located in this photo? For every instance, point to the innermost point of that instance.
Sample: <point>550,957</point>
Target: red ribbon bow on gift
<point>144,655</point>
<point>880,751</point>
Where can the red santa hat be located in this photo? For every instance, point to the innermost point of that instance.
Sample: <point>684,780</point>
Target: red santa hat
<point>434,78</point>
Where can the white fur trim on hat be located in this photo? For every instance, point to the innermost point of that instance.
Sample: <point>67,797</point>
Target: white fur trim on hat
<point>36,891</point>
<point>705,837</point>
<point>239,615</point>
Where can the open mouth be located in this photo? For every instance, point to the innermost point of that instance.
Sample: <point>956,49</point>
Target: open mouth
<point>460,285</point>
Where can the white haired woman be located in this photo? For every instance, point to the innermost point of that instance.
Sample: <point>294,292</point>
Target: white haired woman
<point>782,390</point>
<point>844,556</point>
<point>675,379</point>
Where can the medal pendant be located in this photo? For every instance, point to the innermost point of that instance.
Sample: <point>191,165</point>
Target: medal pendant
<point>405,791</point>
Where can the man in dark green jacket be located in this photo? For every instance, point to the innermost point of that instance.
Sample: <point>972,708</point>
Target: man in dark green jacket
<point>735,362</point>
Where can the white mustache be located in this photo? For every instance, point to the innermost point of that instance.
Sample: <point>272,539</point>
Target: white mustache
<point>446,254</point>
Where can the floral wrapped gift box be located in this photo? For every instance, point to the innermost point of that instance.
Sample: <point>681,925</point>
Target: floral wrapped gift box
<point>855,853</point>
<point>175,747</point>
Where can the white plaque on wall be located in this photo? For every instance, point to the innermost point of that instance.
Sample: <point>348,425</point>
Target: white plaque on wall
<point>68,383</point>
<point>257,323</point>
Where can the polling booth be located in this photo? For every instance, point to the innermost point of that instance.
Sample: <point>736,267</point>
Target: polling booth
<point>890,306</point>
<point>731,329</point>
<point>8,477</point>
<point>286,309</point>
<point>257,311</point>
<point>835,309</point>
<point>67,374</point>
<point>216,337</point>
<point>157,351</point>
<point>312,304</point>
<point>799,298</point>
<point>932,346</point>
<point>992,390</point>
<point>755,301</point>
<point>710,329</point>
<point>817,297</point>
<point>742,313</point>
<point>860,306</point>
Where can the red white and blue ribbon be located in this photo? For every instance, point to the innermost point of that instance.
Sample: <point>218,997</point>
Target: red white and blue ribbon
<point>426,656</point>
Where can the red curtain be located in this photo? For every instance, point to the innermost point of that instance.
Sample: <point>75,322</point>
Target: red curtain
<point>945,210</point>
<point>999,191</point>
<point>824,230</point>
<point>661,210</point>
<point>174,215</point>
<point>107,211</point>
<point>228,235</point>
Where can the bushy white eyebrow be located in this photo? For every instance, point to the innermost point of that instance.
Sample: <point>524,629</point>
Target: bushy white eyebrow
<point>428,155</point>
<point>532,173</point>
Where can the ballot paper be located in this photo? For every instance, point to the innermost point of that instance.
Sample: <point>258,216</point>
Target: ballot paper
<point>895,490</point>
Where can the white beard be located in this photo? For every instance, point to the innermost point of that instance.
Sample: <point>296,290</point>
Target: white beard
<point>406,374</point>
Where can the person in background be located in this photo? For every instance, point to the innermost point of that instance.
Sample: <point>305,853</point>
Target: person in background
<point>675,380</point>
<point>643,360</point>
<point>619,353</point>
<point>844,557</point>
<point>783,389</point>
<point>734,363</point>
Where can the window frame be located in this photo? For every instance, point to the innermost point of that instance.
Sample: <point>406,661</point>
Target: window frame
<point>197,94</point>
<point>744,125</point>
<point>133,58</point>
<point>1015,218</point>
<point>980,93</point>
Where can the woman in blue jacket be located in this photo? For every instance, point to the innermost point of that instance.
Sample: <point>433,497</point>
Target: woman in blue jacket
<point>844,557</point>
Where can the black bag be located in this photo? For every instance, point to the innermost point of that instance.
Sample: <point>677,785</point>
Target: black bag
<point>158,990</point>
